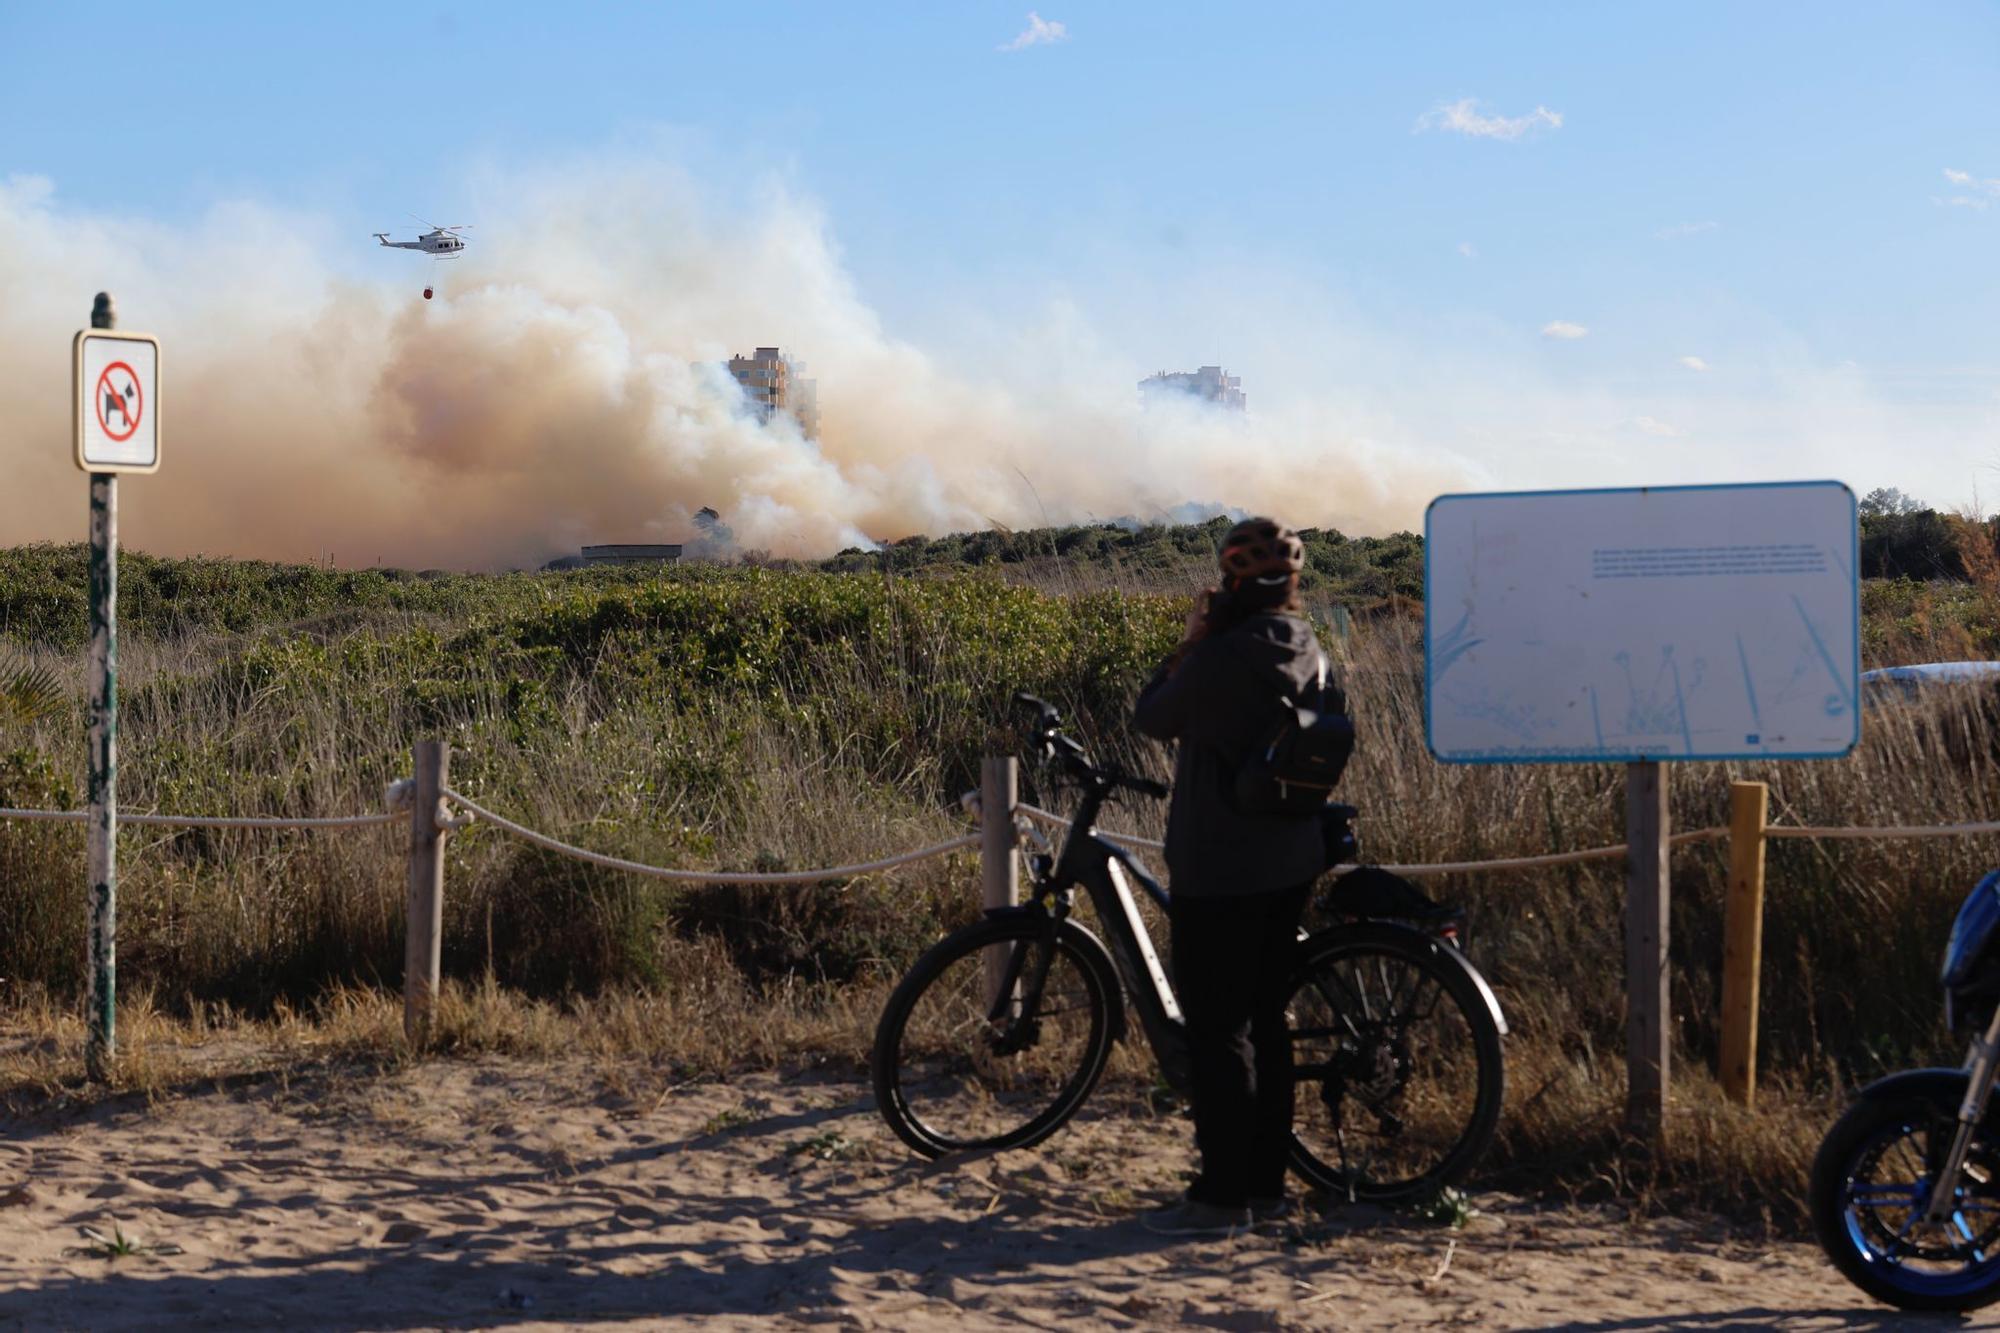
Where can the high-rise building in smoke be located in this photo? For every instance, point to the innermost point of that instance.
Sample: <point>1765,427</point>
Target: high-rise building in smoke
<point>775,383</point>
<point>1208,384</point>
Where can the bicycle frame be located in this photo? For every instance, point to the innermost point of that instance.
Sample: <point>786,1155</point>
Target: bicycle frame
<point>1106,872</point>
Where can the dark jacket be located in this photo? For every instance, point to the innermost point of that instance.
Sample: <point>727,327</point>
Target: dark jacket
<point>1222,701</point>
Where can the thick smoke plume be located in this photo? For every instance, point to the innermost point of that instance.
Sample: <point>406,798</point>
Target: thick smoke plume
<point>564,388</point>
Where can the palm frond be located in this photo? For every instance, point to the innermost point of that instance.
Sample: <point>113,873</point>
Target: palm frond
<point>28,692</point>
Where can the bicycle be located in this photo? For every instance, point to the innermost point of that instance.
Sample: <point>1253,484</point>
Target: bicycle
<point>998,1034</point>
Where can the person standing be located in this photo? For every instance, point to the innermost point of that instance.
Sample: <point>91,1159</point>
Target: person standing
<point>1239,880</point>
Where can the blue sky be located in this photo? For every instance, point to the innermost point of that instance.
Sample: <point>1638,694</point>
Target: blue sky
<point>1741,214</point>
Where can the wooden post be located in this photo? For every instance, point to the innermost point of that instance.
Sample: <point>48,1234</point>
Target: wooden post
<point>999,856</point>
<point>101,840</point>
<point>424,941</point>
<point>1743,940</point>
<point>1647,1035</point>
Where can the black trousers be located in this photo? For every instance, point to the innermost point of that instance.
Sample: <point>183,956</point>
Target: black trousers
<point>1232,957</point>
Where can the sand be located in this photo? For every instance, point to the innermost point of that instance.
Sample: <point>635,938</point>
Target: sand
<point>496,1193</point>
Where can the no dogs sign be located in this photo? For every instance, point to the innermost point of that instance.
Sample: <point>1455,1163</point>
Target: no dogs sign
<point>117,401</point>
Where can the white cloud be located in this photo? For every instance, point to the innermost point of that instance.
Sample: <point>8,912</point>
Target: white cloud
<point>1464,117</point>
<point>1465,248</point>
<point>1693,363</point>
<point>1677,231</point>
<point>1965,180</point>
<point>1654,426</point>
<point>1562,328</point>
<point>1039,32</point>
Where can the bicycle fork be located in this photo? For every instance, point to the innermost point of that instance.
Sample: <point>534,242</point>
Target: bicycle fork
<point>1980,1063</point>
<point>1015,994</point>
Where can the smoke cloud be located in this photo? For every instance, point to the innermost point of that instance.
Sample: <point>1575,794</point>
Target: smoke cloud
<point>565,388</point>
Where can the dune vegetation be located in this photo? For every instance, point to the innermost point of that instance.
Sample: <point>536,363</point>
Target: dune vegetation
<point>755,716</point>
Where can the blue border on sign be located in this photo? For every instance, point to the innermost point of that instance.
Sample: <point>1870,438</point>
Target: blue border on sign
<point>1854,571</point>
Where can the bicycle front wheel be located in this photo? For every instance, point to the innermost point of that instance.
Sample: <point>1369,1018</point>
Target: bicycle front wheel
<point>996,1036</point>
<point>1398,1063</point>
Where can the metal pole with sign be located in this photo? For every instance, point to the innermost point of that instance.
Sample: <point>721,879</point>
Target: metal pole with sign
<point>116,403</point>
<point>1641,626</point>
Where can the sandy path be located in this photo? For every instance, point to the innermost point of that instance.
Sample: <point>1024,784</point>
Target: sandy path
<point>503,1194</point>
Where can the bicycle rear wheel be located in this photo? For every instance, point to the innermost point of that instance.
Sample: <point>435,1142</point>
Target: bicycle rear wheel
<point>1398,1062</point>
<point>996,1036</point>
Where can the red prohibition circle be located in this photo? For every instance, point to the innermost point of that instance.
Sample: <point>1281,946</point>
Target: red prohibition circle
<point>138,410</point>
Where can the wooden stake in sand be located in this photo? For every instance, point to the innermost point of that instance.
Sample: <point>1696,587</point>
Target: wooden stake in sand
<point>1743,940</point>
<point>999,858</point>
<point>423,943</point>
<point>1647,1018</point>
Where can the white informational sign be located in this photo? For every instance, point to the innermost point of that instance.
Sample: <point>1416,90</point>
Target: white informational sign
<point>1690,622</point>
<point>117,401</point>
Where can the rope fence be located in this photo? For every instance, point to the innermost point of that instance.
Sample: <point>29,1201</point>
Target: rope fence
<point>970,803</point>
<point>209,821</point>
<point>429,791</point>
<point>1896,831</point>
<point>543,840</point>
<point>1424,871</point>
<point>1433,869</point>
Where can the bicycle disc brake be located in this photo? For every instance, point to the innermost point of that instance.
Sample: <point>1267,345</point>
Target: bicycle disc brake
<point>1376,1073</point>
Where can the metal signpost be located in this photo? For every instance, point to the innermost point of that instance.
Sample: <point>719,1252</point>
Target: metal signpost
<point>116,404</point>
<point>1641,626</point>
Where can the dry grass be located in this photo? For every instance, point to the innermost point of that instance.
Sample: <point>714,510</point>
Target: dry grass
<point>252,951</point>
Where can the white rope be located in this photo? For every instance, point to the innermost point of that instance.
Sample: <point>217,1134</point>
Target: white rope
<point>1418,871</point>
<point>257,821</point>
<point>207,821</point>
<point>1534,862</point>
<point>706,876</point>
<point>1895,831</point>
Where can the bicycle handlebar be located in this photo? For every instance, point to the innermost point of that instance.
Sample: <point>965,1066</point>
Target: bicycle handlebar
<point>1054,745</point>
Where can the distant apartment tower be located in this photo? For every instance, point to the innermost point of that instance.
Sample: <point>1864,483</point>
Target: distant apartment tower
<point>1208,384</point>
<point>775,383</point>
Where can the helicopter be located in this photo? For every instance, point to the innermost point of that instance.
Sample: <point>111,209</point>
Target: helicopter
<point>438,243</point>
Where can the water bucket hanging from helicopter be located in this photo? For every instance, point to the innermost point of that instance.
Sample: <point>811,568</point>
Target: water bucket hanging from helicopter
<point>437,243</point>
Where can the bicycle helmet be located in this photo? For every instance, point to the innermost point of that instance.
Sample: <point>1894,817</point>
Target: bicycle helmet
<point>1262,549</point>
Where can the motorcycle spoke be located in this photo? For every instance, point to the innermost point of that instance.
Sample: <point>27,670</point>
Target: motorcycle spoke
<point>1901,1240</point>
<point>1884,1193</point>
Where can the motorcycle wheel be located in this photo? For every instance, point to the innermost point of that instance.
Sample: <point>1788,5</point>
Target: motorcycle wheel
<point>1871,1186</point>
